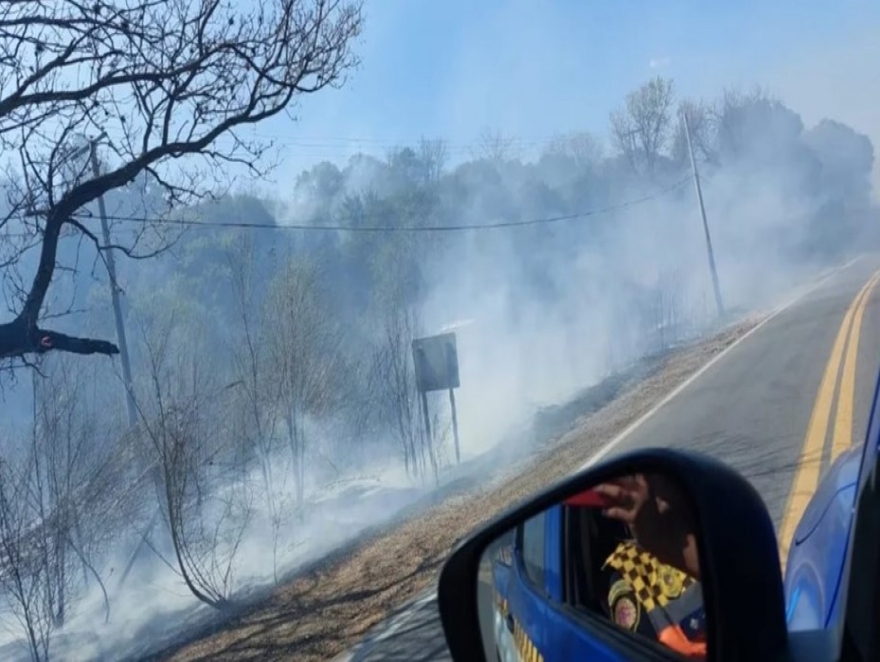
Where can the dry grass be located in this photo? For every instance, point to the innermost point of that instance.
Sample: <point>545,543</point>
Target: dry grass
<point>328,609</point>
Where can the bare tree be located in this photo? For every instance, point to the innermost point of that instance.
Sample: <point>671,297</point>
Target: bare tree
<point>494,146</point>
<point>394,385</point>
<point>256,377</point>
<point>68,466</point>
<point>23,577</point>
<point>54,494</point>
<point>641,128</point>
<point>304,349</point>
<point>250,353</point>
<point>433,154</point>
<point>205,497</point>
<point>701,121</point>
<point>583,150</point>
<point>163,80</point>
<point>393,382</point>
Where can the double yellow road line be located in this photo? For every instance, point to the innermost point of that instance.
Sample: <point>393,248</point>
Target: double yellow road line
<point>806,479</point>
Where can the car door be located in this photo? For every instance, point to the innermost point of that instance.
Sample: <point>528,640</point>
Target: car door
<point>529,618</point>
<point>538,622</point>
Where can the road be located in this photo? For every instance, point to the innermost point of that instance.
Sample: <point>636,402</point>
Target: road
<point>752,409</point>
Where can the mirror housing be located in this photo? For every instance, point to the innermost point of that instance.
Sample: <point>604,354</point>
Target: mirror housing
<point>738,555</point>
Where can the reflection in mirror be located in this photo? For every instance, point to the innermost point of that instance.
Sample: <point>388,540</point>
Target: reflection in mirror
<point>619,555</point>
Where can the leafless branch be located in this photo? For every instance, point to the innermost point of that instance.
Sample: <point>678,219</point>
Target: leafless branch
<point>166,81</point>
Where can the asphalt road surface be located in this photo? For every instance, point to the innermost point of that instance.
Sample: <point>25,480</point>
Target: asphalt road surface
<point>751,409</point>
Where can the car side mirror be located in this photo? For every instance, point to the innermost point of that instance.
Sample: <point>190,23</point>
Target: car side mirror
<point>654,554</point>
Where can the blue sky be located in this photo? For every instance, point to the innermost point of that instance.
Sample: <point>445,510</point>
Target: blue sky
<point>531,69</point>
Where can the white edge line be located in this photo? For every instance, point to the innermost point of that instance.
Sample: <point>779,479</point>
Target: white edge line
<point>607,448</point>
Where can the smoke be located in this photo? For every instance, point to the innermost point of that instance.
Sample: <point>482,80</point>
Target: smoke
<point>810,80</point>
<point>522,351</point>
<point>540,311</point>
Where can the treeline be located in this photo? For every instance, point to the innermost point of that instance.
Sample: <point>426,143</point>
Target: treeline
<point>269,361</point>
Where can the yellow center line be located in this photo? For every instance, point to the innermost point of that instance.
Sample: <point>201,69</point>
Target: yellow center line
<point>843,424</point>
<point>806,478</point>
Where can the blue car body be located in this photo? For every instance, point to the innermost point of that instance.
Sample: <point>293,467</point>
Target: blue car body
<point>816,559</point>
<point>531,622</point>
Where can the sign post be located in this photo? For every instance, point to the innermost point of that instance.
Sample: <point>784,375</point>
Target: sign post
<point>436,363</point>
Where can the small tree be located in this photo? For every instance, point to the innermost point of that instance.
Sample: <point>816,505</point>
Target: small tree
<point>204,495</point>
<point>495,147</point>
<point>393,381</point>
<point>67,467</point>
<point>251,346</point>
<point>433,155</point>
<point>304,345</point>
<point>53,493</point>
<point>24,578</point>
<point>394,385</point>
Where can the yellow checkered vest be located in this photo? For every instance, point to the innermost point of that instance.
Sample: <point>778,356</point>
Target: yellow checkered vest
<point>666,594</point>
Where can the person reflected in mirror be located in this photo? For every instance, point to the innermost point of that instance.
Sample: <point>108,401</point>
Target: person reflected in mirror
<point>658,516</point>
<point>655,575</point>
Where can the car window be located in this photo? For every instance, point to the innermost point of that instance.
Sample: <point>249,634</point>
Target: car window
<point>532,544</point>
<point>502,550</point>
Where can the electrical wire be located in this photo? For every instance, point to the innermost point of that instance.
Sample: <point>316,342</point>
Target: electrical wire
<point>367,228</point>
<point>392,228</point>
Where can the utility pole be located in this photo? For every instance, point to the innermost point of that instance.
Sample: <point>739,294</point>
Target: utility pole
<point>114,292</point>
<point>716,287</point>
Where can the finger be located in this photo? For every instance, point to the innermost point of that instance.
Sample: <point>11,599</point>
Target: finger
<point>621,514</point>
<point>628,488</point>
<point>611,491</point>
<point>627,482</point>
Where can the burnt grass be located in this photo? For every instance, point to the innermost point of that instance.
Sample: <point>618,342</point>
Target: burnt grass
<point>324,607</point>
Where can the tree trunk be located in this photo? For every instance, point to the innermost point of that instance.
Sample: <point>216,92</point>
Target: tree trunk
<point>297,453</point>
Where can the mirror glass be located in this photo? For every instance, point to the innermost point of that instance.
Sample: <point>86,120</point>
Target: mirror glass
<point>617,556</point>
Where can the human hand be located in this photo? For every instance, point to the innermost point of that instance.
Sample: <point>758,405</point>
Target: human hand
<point>658,516</point>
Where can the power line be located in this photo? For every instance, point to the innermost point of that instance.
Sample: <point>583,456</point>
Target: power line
<point>547,220</point>
<point>346,148</point>
<point>392,228</point>
<point>343,142</point>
